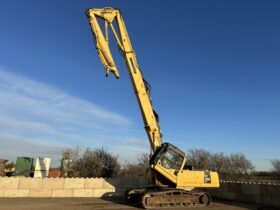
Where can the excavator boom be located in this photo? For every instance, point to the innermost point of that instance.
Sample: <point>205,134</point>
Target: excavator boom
<point>109,15</point>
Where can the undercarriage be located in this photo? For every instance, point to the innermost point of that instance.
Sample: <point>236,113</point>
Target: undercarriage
<point>156,197</point>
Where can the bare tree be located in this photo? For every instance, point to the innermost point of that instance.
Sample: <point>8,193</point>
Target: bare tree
<point>240,166</point>
<point>234,166</point>
<point>98,163</point>
<point>143,163</point>
<point>199,158</point>
<point>69,160</point>
<point>218,162</point>
<point>276,165</point>
<point>140,168</point>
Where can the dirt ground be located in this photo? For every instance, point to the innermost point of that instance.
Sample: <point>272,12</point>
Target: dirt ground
<point>99,203</point>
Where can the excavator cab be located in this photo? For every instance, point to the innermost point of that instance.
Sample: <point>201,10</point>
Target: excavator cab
<point>171,163</point>
<point>168,161</point>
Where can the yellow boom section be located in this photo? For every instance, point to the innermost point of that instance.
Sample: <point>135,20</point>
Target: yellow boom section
<point>109,15</point>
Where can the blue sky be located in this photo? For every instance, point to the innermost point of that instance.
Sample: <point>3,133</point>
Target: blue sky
<point>214,68</point>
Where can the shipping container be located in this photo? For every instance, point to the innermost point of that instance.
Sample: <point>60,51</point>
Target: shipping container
<point>54,173</point>
<point>24,166</point>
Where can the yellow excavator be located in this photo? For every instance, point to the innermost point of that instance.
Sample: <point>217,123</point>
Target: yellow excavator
<point>174,181</point>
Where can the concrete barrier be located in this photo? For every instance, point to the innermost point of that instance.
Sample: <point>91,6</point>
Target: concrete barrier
<point>263,194</point>
<point>35,193</point>
<point>66,187</point>
<point>52,183</point>
<point>9,183</point>
<point>30,183</point>
<point>252,192</point>
<point>77,183</point>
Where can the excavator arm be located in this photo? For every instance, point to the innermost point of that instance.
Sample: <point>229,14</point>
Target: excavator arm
<point>141,87</point>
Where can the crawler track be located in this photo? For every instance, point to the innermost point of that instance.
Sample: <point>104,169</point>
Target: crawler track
<point>156,198</point>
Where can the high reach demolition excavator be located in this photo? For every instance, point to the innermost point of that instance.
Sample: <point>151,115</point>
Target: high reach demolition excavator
<point>173,179</point>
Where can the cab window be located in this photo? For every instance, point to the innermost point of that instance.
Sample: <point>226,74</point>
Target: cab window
<point>171,160</point>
